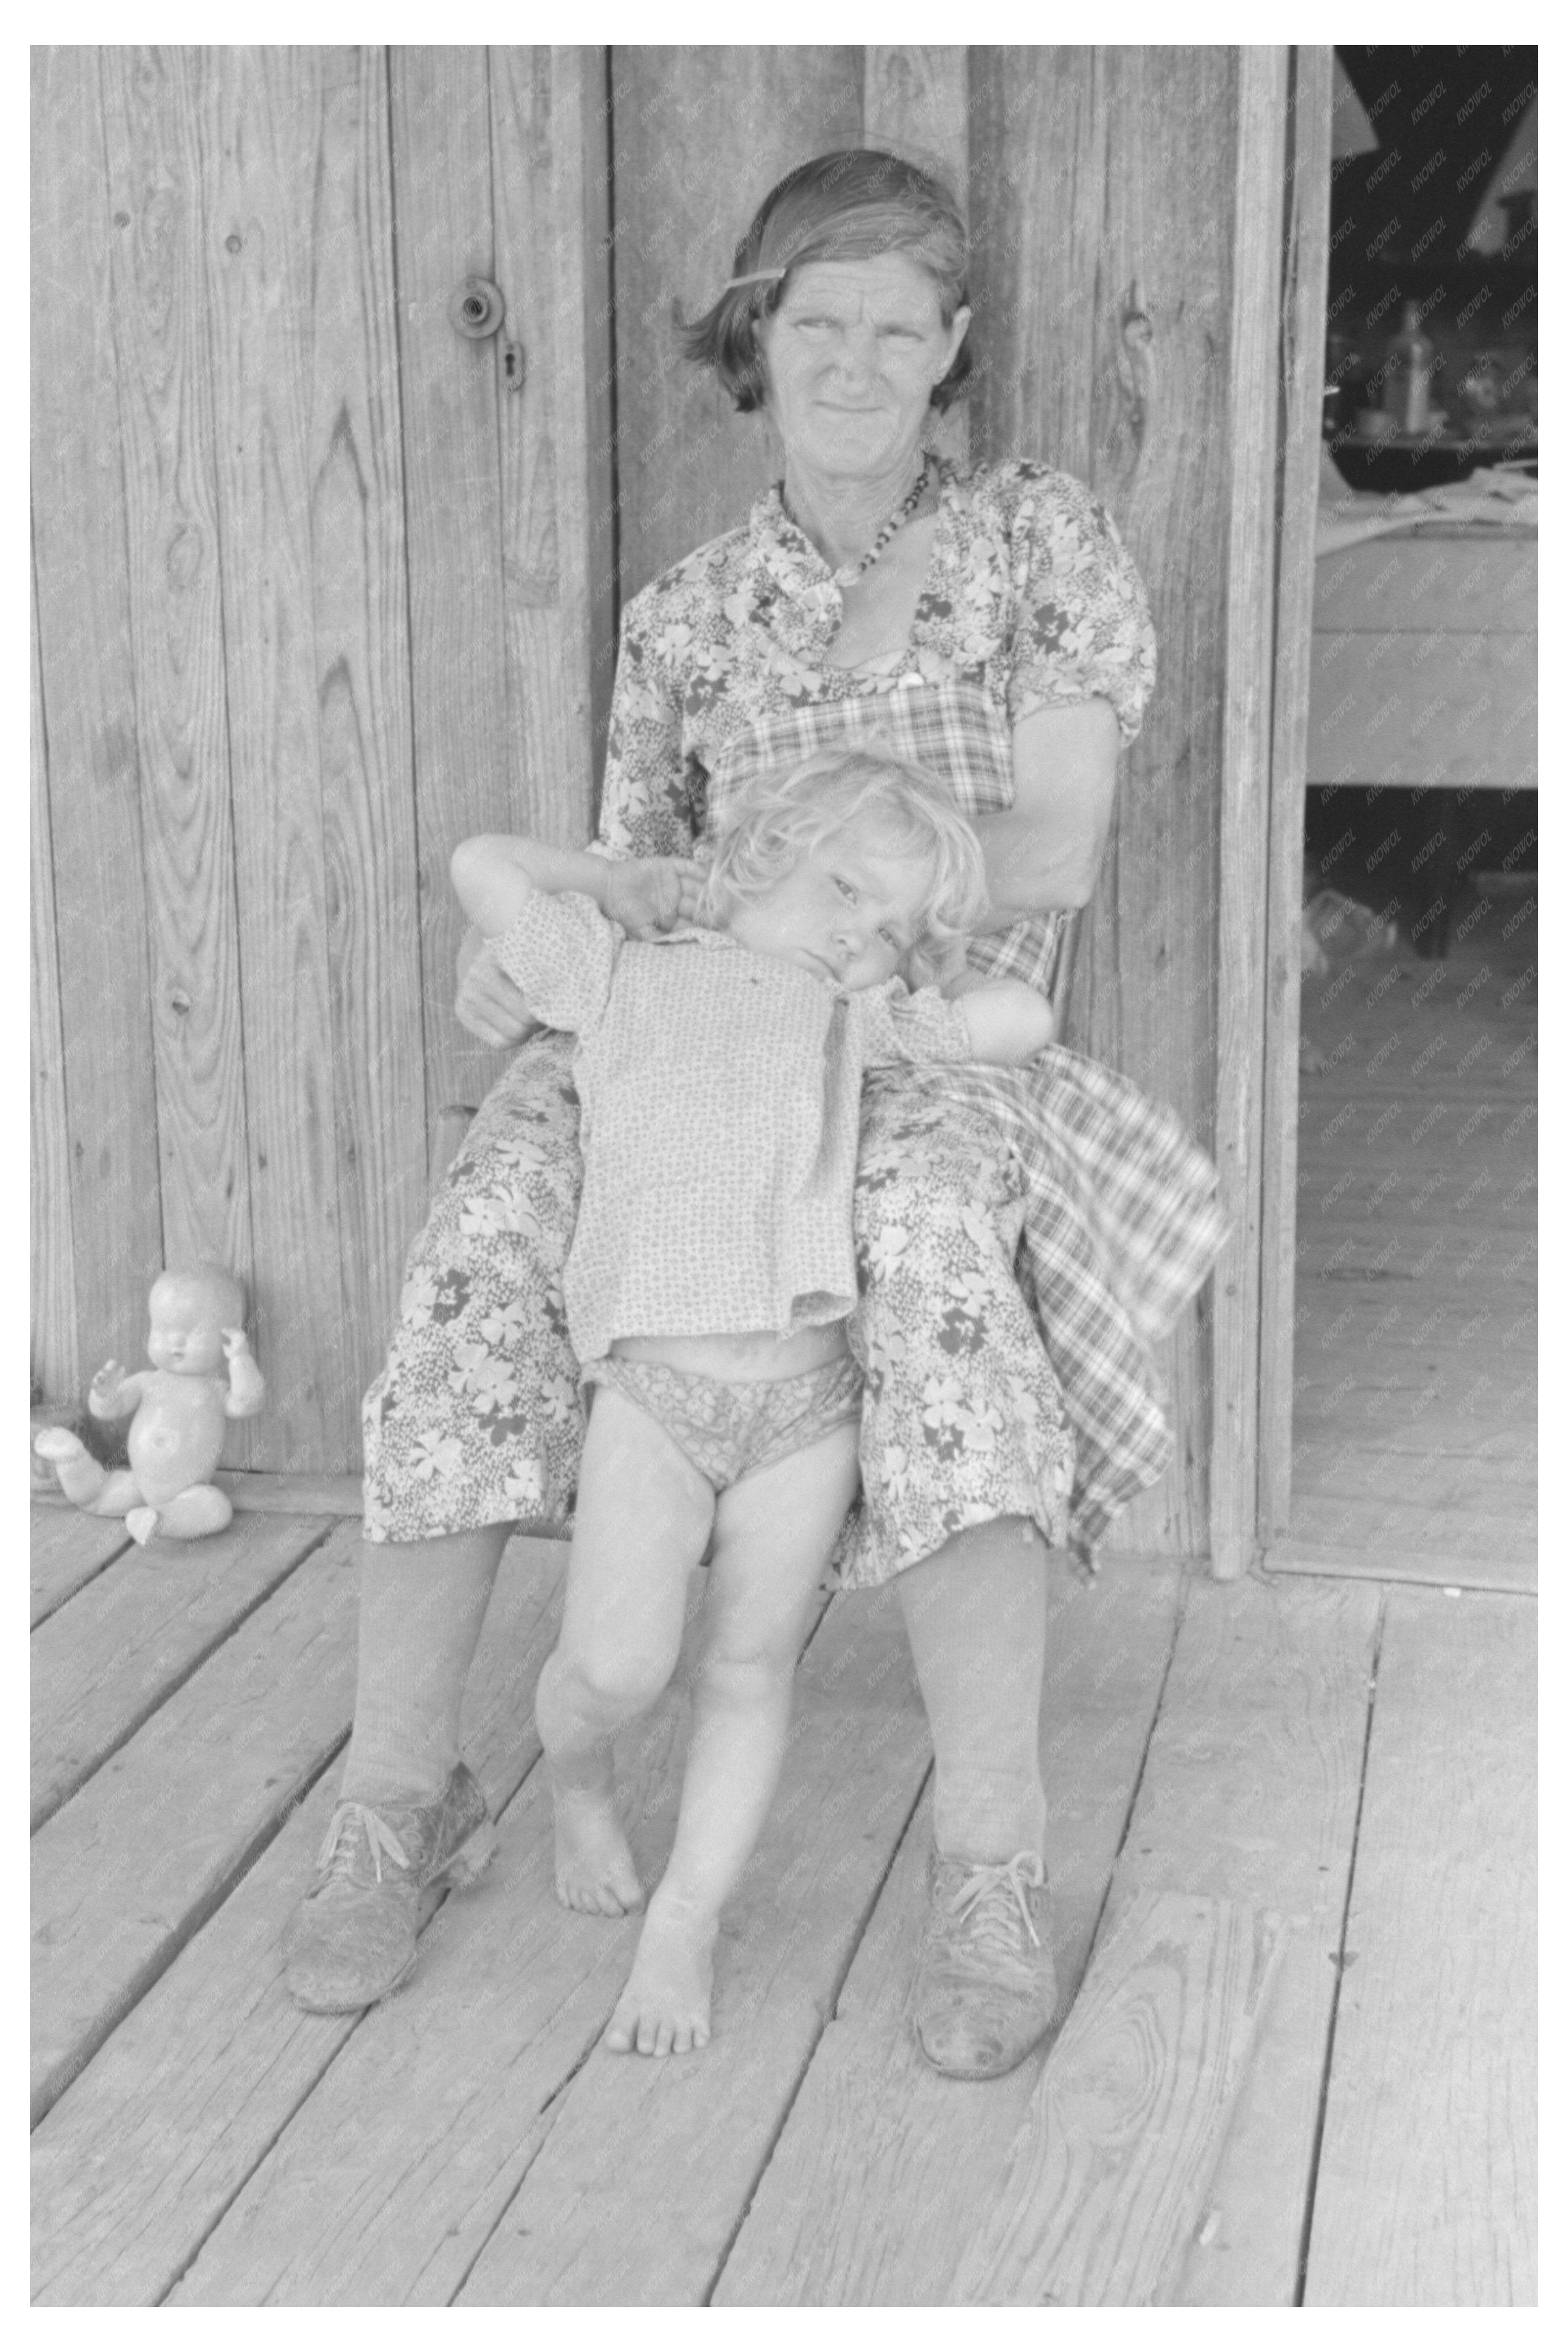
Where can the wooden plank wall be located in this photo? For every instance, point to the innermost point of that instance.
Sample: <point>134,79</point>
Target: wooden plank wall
<point>312,603</point>
<point>355,597</point>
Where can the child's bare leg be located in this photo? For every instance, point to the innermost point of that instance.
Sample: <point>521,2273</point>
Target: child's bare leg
<point>776,1532</point>
<point>644,1513</point>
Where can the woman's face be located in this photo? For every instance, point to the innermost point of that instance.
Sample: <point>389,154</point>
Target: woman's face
<point>850,357</point>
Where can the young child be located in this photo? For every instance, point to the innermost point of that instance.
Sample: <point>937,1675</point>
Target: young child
<point>710,1280</point>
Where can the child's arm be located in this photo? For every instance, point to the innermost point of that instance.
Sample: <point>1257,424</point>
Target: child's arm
<point>1008,1020</point>
<point>496,874</point>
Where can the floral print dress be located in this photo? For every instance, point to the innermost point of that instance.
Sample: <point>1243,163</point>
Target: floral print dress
<point>1021,1235</point>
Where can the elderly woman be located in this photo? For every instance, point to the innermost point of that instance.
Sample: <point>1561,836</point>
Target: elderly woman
<point>1021,1235</point>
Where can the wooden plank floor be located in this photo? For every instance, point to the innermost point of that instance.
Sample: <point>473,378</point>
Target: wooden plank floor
<point>1414,1434</point>
<point>1350,1759</point>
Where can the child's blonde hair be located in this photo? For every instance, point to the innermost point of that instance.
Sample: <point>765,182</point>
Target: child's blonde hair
<point>776,819</point>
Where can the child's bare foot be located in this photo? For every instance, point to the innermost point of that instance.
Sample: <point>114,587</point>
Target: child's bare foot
<point>593,1866</point>
<point>665,2010</point>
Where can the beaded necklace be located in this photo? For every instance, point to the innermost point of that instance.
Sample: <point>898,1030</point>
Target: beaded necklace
<point>847,574</point>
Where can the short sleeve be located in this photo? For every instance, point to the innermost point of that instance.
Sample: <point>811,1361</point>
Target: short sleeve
<point>561,951</point>
<point>1082,625</point>
<point>898,1024</point>
<point>646,808</point>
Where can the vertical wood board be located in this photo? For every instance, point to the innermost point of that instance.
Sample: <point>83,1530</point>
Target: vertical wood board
<point>267,152</point>
<point>165,367</point>
<point>1427,2182</point>
<point>87,684</point>
<point>53,1362</point>
<point>444,232</point>
<point>1248,669</point>
<point>1302,331</point>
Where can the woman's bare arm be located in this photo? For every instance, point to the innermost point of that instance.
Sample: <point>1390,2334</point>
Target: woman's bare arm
<point>1044,852</point>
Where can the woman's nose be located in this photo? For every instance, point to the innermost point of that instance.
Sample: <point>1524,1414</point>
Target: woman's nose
<point>856,354</point>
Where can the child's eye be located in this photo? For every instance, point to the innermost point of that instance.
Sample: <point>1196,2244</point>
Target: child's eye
<point>891,939</point>
<point>847,889</point>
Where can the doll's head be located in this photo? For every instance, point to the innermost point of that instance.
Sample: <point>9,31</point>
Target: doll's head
<point>189,1314</point>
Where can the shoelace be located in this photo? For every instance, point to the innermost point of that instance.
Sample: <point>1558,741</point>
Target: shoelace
<point>378,1837</point>
<point>993,1891</point>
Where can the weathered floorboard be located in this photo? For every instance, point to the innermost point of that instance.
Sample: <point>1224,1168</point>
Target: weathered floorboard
<point>147,2148</point>
<point>884,2170</point>
<point>66,1549</point>
<point>1425,2185</point>
<point>53,1362</point>
<point>1249,1794</point>
<point>125,1873</point>
<point>101,1666</point>
<point>705,2126</point>
<point>509,2001</point>
<point>1107,2174</point>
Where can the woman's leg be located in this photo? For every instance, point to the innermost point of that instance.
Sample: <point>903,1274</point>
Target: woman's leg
<point>422,1607</point>
<point>976,1615</point>
<point>643,1520</point>
<point>775,1531</point>
<point>966,1457</point>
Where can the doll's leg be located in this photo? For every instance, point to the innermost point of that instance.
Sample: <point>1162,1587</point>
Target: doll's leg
<point>195,1511</point>
<point>84,1481</point>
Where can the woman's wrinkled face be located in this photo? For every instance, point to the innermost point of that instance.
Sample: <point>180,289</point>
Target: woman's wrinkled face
<point>850,357</point>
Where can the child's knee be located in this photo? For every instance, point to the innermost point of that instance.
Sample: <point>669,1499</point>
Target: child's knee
<point>605,1681</point>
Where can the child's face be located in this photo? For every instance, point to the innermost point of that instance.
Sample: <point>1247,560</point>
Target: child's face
<point>846,911</point>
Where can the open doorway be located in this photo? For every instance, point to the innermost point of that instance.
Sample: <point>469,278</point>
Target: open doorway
<point>1412,1404</point>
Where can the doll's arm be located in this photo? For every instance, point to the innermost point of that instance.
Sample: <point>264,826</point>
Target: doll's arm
<point>115,1392</point>
<point>247,1389</point>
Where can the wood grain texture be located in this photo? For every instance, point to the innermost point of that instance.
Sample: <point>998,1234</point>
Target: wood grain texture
<point>1426,2187</point>
<point>1248,1795</point>
<point>554,452</point>
<point>1108,2174</point>
<point>701,134</point>
<point>1104,238</point>
<point>164,364</point>
<point>149,2146</point>
<point>53,1363</point>
<point>444,232</point>
<point>101,1666</point>
<point>217,1767</point>
<point>1254,392</point>
<point>1303,306</point>
<point>884,2170</point>
<point>299,268</point>
<point>706,2130</point>
<point>87,684</point>
<point>67,1550</point>
<point>1296,1556</point>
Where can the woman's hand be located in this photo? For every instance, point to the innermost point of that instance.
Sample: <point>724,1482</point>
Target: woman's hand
<point>647,895</point>
<point>490,1006</point>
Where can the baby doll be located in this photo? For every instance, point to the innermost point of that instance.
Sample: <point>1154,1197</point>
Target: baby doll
<point>181,1407</point>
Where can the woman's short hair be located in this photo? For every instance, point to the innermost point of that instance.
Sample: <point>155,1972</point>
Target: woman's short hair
<point>846,207</point>
<point>782,813</point>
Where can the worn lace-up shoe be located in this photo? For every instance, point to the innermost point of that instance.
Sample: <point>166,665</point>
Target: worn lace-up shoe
<point>352,1940</point>
<point>985,1989</point>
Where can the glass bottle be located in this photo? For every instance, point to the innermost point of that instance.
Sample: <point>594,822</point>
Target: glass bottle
<point>1407,373</point>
